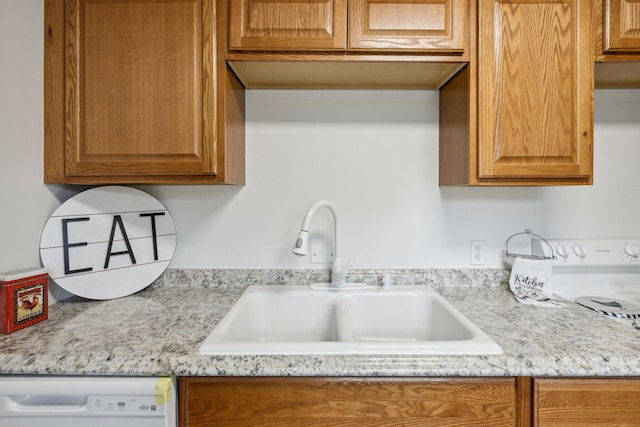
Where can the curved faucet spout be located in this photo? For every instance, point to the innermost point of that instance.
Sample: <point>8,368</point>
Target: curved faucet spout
<point>301,248</point>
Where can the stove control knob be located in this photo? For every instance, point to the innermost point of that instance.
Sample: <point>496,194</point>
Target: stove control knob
<point>579,251</point>
<point>562,251</point>
<point>631,250</point>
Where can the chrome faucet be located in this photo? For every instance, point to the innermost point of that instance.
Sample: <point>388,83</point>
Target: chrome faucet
<point>301,248</point>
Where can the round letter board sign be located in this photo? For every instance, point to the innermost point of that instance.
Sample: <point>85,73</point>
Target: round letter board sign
<point>108,242</point>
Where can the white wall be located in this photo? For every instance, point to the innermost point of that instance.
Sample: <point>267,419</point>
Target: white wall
<point>374,154</point>
<point>25,202</point>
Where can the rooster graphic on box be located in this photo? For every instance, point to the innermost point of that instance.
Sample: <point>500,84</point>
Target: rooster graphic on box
<point>29,304</point>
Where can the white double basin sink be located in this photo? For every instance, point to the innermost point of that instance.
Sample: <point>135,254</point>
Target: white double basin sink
<point>288,320</point>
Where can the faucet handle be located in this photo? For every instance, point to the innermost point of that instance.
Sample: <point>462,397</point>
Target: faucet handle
<point>387,282</point>
<point>339,271</point>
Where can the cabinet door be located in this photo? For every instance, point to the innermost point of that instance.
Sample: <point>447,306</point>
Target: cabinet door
<point>622,26</point>
<point>139,88</point>
<point>535,89</point>
<point>399,25</point>
<point>586,402</point>
<point>347,401</point>
<point>288,25</point>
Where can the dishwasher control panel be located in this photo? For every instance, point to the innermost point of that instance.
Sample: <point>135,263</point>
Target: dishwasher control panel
<point>127,404</point>
<point>605,252</point>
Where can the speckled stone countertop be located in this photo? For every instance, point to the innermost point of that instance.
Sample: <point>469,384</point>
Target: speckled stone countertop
<point>157,332</point>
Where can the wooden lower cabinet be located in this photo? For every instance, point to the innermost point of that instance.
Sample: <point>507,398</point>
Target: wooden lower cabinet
<point>300,401</point>
<point>585,402</point>
<point>391,401</point>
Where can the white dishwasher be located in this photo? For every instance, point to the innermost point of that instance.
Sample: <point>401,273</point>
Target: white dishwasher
<point>87,401</point>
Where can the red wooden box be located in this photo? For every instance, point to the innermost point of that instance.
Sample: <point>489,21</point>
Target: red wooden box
<point>23,298</point>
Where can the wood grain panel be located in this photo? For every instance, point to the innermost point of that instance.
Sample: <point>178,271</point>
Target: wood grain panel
<point>535,89</point>
<point>288,25</point>
<point>129,53</point>
<point>347,401</point>
<point>524,401</point>
<point>622,26</point>
<point>617,75</point>
<point>343,74</point>
<point>586,402</point>
<point>455,130</point>
<point>134,76</point>
<point>613,69</point>
<point>140,93</point>
<point>419,25</point>
<point>54,91</point>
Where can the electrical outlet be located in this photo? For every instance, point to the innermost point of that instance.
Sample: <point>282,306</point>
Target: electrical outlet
<point>321,254</point>
<point>477,252</point>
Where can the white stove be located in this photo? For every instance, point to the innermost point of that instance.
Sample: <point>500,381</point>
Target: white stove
<point>601,274</point>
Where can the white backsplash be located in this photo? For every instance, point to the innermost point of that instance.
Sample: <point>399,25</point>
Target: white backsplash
<point>374,154</point>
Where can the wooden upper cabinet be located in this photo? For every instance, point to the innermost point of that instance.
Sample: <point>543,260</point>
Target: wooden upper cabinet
<point>131,93</point>
<point>321,25</point>
<point>535,90</point>
<point>399,25</point>
<point>616,38</point>
<point>288,25</point>
<point>133,88</point>
<point>349,44</point>
<point>521,111</point>
<point>621,32</point>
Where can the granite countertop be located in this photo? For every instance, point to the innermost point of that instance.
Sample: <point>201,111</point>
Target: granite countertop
<point>157,332</point>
